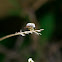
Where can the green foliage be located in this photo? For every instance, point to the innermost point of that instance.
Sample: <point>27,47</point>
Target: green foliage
<point>47,23</point>
<point>2,56</point>
<point>15,3</point>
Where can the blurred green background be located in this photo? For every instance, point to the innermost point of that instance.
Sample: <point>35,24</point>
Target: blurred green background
<point>46,14</point>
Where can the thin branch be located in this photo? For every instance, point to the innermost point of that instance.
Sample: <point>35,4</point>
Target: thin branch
<point>22,33</point>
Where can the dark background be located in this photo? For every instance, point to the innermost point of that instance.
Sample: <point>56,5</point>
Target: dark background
<point>14,14</point>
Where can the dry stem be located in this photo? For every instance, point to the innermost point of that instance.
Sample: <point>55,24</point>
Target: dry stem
<point>22,33</point>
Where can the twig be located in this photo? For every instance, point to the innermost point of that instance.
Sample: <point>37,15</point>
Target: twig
<point>22,33</point>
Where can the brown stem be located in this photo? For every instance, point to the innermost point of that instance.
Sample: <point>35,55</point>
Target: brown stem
<point>7,36</point>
